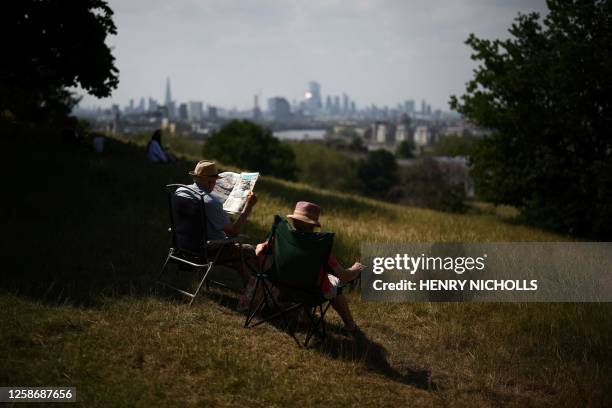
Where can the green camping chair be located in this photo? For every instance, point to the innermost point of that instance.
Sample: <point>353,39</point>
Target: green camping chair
<point>297,260</point>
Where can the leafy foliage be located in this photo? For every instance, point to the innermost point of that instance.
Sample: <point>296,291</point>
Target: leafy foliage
<point>378,173</point>
<point>324,167</point>
<point>404,149</point>
<point>545,93</point>
<point>54,44</point>
<point>424,184</point>
<point>250,146</point>
<point>455,145</point>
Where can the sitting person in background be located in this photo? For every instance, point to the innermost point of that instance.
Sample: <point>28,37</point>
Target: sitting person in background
<point>155,151</point>
<point>305,218</point>
<point>218,225</point>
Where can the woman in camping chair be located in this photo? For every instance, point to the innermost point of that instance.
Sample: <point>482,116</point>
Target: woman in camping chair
<point>305,218</point>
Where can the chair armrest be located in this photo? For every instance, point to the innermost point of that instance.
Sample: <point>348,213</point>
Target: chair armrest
<point>222,241</point>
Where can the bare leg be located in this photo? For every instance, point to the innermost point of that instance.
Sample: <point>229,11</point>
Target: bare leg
<point>244,274</point>
<point>247,254</point>
<point>340,305</point>
<point>346,275</point>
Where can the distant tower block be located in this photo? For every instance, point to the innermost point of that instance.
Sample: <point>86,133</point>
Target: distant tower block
<point>257,116</point>
<point>168,99</point>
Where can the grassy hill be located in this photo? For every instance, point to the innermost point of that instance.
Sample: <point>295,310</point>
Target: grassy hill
<point>85,235</point>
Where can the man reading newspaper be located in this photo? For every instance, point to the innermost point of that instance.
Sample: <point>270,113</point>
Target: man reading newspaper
<point>218,224</point>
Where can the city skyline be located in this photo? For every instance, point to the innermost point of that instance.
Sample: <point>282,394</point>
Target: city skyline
<point>378,52</point>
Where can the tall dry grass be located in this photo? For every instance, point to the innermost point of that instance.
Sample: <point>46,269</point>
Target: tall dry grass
<point>86,233</point>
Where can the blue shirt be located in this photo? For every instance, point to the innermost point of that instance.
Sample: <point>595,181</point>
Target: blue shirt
<point>216,218</point>
<point>156,153</point>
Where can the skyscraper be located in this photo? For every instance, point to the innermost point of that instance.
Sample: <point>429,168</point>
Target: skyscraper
<point>345,103</point>
<point>329,106</point>
<point>168,99</point>
<point>409,106</point>
<point>315,96</point>
<point>257,116</point>
<point>195,111</point>
<point>336,105</point>
<point>152,105</point>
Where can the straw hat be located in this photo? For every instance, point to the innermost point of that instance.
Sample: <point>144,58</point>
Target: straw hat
<point>306,212</point>
<point>205,168</point>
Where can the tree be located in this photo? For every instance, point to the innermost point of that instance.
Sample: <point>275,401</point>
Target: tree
<point>51,45</point>
<point>545,94</point>
<point>455,145</point>
<point>324,167</point>
<point>378,173</point>
<point>425,184</point>
<point>250,146</point>
<point>404,149</point>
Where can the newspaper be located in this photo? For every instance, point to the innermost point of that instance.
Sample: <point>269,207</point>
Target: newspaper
<point>232,190</point>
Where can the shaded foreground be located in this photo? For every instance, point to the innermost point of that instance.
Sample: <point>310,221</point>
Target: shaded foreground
<point>87,233</point>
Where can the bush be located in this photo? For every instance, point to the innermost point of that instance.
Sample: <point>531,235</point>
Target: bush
<point>247,145</point>
<point>324,167</point>
<point>455,145</point>
<point>378,174</point>
<point>425,185</point>
<point>404,149</point>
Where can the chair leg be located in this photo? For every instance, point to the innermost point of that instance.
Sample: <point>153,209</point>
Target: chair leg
<point>251,313</point>
<point>315,322</point>
<point>163,267</point>
<point>201,282</point>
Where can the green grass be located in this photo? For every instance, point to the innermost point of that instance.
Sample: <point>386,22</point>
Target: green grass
<point>85,235</point>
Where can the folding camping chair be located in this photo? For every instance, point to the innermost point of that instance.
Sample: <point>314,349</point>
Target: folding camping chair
<point>297,260</point>
<point>191,249</point>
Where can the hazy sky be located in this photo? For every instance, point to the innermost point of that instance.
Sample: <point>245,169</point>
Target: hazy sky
<point>223,52</point>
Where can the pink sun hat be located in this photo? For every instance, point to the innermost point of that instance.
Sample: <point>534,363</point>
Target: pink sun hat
<point>306,212</point>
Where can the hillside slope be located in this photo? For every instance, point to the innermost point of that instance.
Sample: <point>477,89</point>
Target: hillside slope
<point>85,234</point>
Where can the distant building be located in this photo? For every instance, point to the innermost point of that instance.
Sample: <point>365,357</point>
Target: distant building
<point>329,106</point>
<point>257,116</point>
<point>212,113</point>
<point>402,133</point>
<point>195,111</point>
<point>313,97</point>
<point>422,136</point>
<point>382,133</point>
<point>182,112</point>
<point>345,104</point>
<point>409,106</point>
<point>168,98</point>
<point>171,110</point>
<point>152,105</point>
<point>279,109</point>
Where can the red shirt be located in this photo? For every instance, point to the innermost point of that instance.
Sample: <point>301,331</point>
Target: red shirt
<point>324,283</point>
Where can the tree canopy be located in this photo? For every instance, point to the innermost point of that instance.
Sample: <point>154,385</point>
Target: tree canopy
<point>51,45</point>
<point>250,146</point>
<point>378,173</point>
<point>544,92</point>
